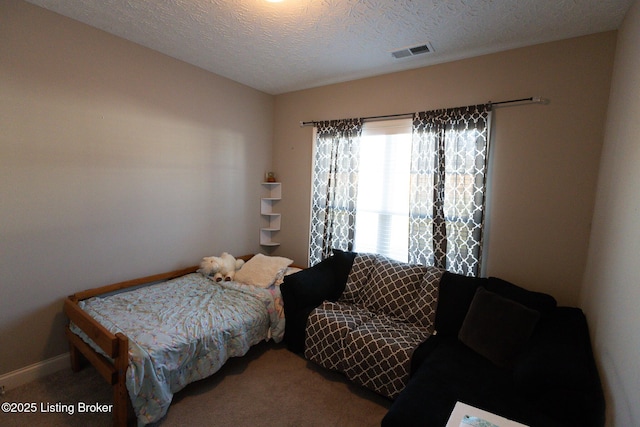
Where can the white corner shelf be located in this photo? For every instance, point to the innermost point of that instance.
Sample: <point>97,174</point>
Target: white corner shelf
<point>271,194</point>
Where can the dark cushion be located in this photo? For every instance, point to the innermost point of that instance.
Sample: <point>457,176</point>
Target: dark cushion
<point>323,281</point>
<point>497,327</point>
<point>343,262</point>
<point>453,372</point>
<point>558,355</point>
<point>454,298</point>
<point>305,290</point>
<point>450,373</point>
<point>557,370</point>
<point>534,300</point>
<point>424,350</point>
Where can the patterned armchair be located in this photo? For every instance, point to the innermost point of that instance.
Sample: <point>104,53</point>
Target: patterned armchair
<point>371,329</point>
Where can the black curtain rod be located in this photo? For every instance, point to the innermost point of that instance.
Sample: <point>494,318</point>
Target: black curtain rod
<point>535,99</point>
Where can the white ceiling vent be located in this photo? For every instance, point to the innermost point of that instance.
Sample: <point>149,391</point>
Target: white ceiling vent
<point>413,51</point>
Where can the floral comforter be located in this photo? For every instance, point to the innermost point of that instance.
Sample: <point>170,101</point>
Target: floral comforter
<point>184,330</point>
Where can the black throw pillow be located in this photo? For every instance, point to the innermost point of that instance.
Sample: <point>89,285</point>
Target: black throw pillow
<point>454,298</point>
<point>497,327</point>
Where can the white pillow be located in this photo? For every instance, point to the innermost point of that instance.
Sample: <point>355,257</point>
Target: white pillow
<point>262,270</point>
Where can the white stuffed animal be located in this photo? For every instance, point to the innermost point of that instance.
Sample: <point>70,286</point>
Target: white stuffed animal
<point>221,268</point>
<point>209,266</point>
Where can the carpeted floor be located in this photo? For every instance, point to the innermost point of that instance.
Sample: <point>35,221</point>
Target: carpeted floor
<point>269,386</point>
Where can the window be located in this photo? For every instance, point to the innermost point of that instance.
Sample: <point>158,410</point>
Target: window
<point>382,206</point>
<point>413,190</point>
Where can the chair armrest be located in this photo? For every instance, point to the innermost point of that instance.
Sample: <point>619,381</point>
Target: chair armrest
<point>305,290</point>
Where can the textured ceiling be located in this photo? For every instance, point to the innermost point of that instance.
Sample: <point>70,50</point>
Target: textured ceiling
<point>298,44</point>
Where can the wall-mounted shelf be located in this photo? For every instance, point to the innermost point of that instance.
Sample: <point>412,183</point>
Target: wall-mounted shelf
<point>272,193</point>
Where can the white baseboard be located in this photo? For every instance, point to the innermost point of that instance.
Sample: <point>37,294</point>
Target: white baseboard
<point>33,372</point>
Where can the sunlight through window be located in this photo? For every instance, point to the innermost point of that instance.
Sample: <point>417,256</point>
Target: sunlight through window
<point>382,218</point>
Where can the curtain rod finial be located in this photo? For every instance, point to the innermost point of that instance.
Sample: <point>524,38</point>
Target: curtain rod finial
<point>540,100</point>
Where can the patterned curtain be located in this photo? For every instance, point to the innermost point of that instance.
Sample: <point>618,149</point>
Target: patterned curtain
<point>334,187</point>
<point>448,176</point>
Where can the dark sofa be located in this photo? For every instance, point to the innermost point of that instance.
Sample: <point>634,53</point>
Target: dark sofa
<point>551,381</point>
<point>496,346</point>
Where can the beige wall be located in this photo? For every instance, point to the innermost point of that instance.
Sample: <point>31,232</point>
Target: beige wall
<point>115,162</point>
<point>545,157</point>
<point>611,292</point>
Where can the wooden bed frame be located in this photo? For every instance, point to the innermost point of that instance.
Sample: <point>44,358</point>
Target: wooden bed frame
<point>116,346</point>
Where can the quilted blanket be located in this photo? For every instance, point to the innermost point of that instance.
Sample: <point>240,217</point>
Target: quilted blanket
<point>386,310</point>
<point>184,330</point>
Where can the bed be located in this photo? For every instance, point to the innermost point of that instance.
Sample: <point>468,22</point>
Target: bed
<point>152,336</point>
